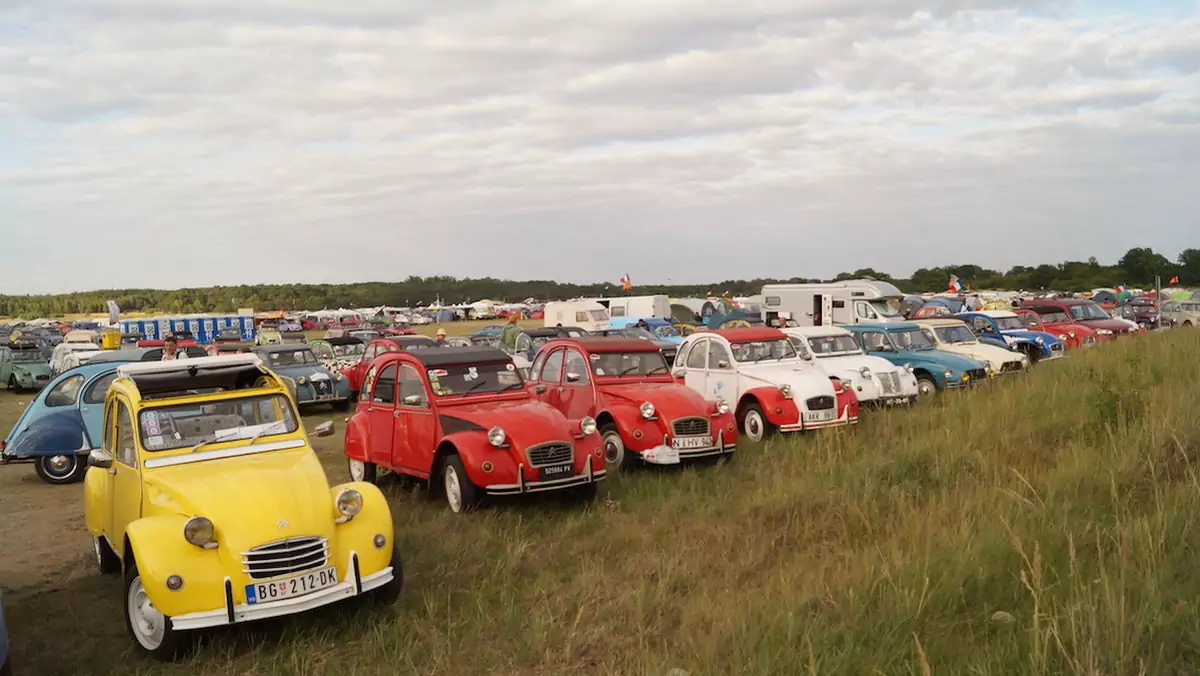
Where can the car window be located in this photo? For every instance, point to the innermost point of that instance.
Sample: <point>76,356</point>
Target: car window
<point>981,324</point>
<point>126,448</point>
<point>536,370</point>
<point>717,353</point>
<point>875,341</point>
<point>575,363</point>
<point>863,310</point>
<point>64,393</point>
<point>697,358</point>
<point>385,386</point>
<point>580,317</point>
<point>98,389</point>
<point>5,355</point>
<point>369,379</point>
<point>410,384</point>
<point>370,352</point>
<point>552,371</point>
<point>110,440</point>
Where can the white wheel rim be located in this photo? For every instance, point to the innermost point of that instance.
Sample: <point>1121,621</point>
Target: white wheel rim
<point>453,490</point>
<point>926,387</point>
<point>614,449</point>
<point>754,426</point>
<point>357,469</point>
<point>149,626</point>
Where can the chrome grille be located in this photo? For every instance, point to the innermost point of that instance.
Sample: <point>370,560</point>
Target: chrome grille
<point>1089,340</point>
<point>322,387</point>
<point>690,427</point>
<point>977,374</point>
<point>820,403</point>
<point>553,453</point>
<point>889,383</point>
<point>285,557</point>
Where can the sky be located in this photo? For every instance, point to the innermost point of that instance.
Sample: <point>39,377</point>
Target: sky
<point>196,142</point>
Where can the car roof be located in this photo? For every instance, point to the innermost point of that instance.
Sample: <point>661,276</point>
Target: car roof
<point>745,334</point>
<point>413,340</point>
<point>939,321</point>
<point>883,326</point>
<point>282,347</point>
<point>342,340</point>
<point>993,313</point>
<point>609,344</point>
<point>175,378</point>
<point>816,331</point>
<point>455,356</point>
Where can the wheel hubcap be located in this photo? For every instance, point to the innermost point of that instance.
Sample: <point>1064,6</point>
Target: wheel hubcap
<point>148,624</point>
<point>357,470</point>
<point>59,462</point>
<point>614,450</point>
<point>453,490</point>
<point>754,426</point>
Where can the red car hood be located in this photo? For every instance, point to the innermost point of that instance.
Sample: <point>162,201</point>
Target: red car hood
<point>670,400</point>
<point>1110,324</point>
<point>525,422</point>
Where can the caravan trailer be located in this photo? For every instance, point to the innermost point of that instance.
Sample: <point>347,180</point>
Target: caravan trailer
<point>849,302</point>
<point>588,315</point>
<point>638,306</point>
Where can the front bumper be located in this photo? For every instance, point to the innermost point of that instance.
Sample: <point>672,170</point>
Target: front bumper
<point>665,454</point>
<point>845,419</point>
<point>352,585</point>
<point>523,486</point>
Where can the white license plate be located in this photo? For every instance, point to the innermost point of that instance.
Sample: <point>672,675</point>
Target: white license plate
<point>691,442</point>
<point>661,455</point>
<point>819,416</point>
<point>290,587</point>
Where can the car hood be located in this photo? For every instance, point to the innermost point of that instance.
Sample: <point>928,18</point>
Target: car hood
<point>854,362</point>
<point>940,359</point>
<point>803,378</point>
<point>993,354</point>
<point>1031,335</point>
<point>305,370</point>
<point>251,499</point>
<point>32,368</point>
<point>525,422</point>
<point>1110,324</point>
<point>670,400</point>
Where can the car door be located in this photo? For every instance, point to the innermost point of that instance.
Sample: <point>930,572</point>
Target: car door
<point>983,326</point>
<point>721,380</point>
<point>415,433</point>
<point>91,406</point>
<point>126,474</point>
<point>577,397</point>
<point>381,416</point>
<point>533,380</point>
<point>358,372</point>
<point>695,367</point>
<point>551,375</point>
<point>5,364</point>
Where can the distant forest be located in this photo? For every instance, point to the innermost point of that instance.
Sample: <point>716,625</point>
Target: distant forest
<point>1137,268</point>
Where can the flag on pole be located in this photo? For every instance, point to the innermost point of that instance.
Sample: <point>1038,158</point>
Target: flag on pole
<point>626,284</point>
<point>955,284</point>
<point>1174,280</point>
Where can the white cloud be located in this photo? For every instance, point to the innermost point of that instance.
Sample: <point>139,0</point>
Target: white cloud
<point>353,140</point>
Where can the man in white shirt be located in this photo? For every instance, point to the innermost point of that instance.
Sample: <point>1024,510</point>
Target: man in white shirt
<point>171,349</point>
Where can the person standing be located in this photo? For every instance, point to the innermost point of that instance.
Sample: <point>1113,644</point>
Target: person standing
<point>171,349</point>
<point>508,336</point>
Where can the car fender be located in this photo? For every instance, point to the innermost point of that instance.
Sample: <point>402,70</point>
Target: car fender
<point>57,433</point>
<point>358,534</point>
<point>158,547</point>
<point>473,449</point>
<point>777,409</point>
<point>637,433</point>
<point>354,442</point>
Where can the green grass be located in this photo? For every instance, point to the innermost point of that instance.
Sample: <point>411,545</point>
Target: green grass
<point>1047,525</point>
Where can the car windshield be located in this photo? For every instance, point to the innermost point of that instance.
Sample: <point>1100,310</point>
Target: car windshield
<point>475,379</point>
<point>884,308</point>
<point>27,356</point>
<point>350,350</point>
<point>666,331</point>
<point>830,346</point>
<point>1031,321</point>
<point>1085,311</point>
<point>955,334</point>
<point>197,425</point>
<point>1009,323</point>
<point>910,339</point>
<point>1190,307</point>
<point>637,332</point>
<point>762,350</point>
<point>293,357</point>
<point>628,364</point>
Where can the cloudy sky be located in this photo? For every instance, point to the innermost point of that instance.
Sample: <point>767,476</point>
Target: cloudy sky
<point>196,142</point>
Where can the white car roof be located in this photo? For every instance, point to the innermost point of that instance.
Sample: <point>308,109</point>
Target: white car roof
<point>815,331</point>
<point>998,314</point>
<point>136,368</point>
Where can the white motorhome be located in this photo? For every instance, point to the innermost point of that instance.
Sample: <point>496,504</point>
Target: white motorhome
<point>849,302</point>
<point>641,307</point>
<point>588,315</point>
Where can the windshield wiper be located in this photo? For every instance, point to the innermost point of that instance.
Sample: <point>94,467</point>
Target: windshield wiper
<point>656,369</point>
<point>263,431</point>
<point>472,388</point>
<point>628,370</point>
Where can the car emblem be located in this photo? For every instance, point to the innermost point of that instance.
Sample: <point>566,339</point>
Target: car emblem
<point>282,524</point>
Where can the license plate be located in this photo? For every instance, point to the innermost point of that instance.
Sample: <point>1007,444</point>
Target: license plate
<point>324,397</point>
<point>290,587</point>
<point>661,455</point>
<point>556,472</point>
<point>819,416</point>
<point>691,442</point>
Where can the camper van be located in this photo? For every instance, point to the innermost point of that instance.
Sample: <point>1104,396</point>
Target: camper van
<point>849,302</point>
<point>637,306</point>
<point>588,315</point>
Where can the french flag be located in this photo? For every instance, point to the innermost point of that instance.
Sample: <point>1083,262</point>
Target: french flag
<point>955,284</point>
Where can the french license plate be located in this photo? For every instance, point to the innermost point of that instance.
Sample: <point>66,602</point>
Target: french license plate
<point>819,416</point>
<point>324,397</point>
<point>556,472</point>
<point>661,455</point>
<point>691,442</point>
<point>290,587</point>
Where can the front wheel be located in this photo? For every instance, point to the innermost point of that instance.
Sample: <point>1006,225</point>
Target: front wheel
<point>343,405</point>
<point>148,627</point>
<point>588,491</point>
<point>362,471</point>
<point>389,593</point>
<point>925,386</point>
<point>461,494</point>
<point>60,469</point>
<point>13,386</point>
<point>614,447</point>
<point>753,424</point>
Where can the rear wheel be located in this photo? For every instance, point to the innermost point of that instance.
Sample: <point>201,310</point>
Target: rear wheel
<point>150,629</point>
<point>614,448</point>
<point>753,424</point>
<point>60,469</point>
<point>461,494</point>
<point>362,471</point>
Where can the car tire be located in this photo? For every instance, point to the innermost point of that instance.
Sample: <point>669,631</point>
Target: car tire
<point>106,560</point>
<point>389,593</point>
<point>753,424</point>
<point>588,491</point>
<point>461,495</point>
<point>614,448</point>
<point>150,630</point>
<point>362,471</point>
<point>926,386</point>
<point>67,468</point>
<point>343,405</point>
<point>13,386</point>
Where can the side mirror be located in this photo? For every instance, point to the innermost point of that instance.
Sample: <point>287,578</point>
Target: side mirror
<point>573,377</point>
<point>722,364</point>
<point>324,429</point>
<point>413,400</point>
<point>99,459</point>
<point>540,389</point>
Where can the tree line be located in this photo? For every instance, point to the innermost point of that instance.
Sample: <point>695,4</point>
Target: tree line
<point>1137,268</point>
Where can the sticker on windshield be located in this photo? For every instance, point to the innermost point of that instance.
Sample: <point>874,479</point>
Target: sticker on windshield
<point>438,373</point>
<point>154,441</point>
<point>510,366</point>
<point>594,357</point>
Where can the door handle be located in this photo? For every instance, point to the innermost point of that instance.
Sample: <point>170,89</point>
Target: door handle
<point>396,414</point>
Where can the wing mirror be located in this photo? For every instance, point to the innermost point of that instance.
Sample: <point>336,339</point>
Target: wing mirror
<point>413,400</point>
<point>99,459</point>
<point>573,377</point>
<point>324,429</point>
<point>722,364</point>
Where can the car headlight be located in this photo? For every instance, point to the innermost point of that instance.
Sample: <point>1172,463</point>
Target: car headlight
<point>349,502</point>
<point>909,368</point>
<point>947,374</point>
<point>301,380</point>
<point>1039,340</point>
<point>587,425</point>
<point>722,407</point>
<point>865,372</point>
<point>198,531</point>
<point>337,376</point>
<point>785,391</point>
<point>496,437</point>
<point>1071,334</point>
<point>647,410</point>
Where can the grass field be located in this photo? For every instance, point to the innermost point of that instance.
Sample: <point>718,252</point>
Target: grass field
<point>1044,526</point>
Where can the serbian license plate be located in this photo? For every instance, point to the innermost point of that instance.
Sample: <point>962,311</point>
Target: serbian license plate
<point>556,472</point>
<point>685,443</point>
<point>819,416</point>
<point>297,585</point>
